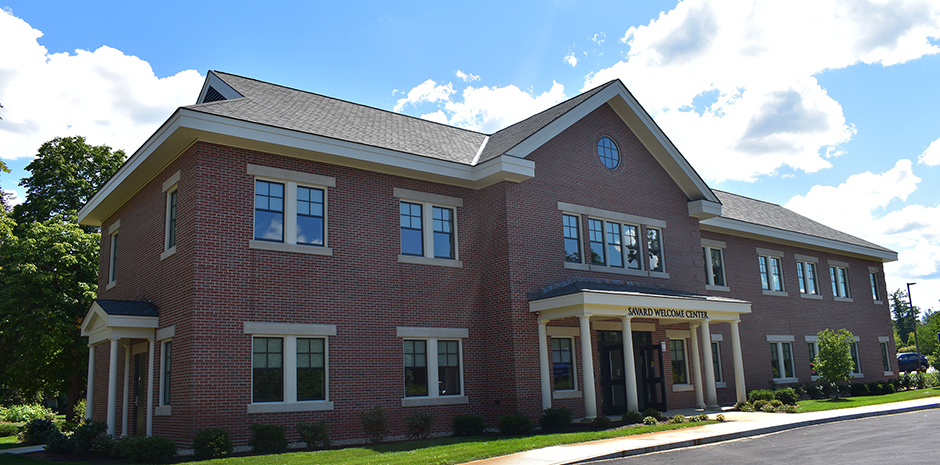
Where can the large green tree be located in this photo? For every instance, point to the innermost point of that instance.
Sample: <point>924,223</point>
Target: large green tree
<point>64,175</point>
<point>901,315</point>
<point>834,361</point>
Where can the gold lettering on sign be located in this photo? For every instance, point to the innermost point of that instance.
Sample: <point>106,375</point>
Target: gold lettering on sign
<point>667,313</point>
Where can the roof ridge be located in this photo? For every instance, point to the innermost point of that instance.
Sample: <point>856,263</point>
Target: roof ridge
<point>761,201</point>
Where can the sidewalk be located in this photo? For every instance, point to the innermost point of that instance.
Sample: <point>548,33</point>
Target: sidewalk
<point>736,425</point>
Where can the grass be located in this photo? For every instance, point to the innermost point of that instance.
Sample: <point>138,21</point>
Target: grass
<point>861,401</point>
<point>8,442</point>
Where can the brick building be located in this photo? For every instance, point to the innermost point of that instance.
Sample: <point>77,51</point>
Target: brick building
<point>273,256</point>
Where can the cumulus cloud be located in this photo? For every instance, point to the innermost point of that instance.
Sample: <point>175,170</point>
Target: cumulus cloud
<point>931,155</point>
<point>107,96</point>
<point>571,59</point>
<point>467,77</point>
<point>758,59</point>
<point>427,91</point>
<point>599,38</point>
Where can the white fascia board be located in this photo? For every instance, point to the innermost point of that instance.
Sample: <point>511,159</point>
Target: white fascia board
<point>606,303</point>
<point>704,209</point>
<point>780,236</point>
<point>133,321</point>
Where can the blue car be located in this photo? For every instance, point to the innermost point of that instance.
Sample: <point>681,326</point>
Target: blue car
<point>908,361</point>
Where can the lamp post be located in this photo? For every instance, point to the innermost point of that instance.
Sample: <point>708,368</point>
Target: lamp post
<point>914,320</point>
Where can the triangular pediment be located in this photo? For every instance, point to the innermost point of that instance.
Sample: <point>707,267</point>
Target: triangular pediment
<point>115,319</point>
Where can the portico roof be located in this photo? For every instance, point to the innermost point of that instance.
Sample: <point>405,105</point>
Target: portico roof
<point>117,319</point>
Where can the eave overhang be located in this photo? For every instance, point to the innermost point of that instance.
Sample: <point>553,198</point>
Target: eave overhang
<point>669,309</point>
<point>98,326</point>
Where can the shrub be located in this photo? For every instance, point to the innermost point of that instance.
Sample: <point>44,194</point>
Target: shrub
<point>8,429</point>
<point>80,409</point>
<point>59,443</point>
<point>374,423</point>
<point>768,408</point>
<point>268,439</point>
<point>746,407</point>
<point>122,446</point>
<point>601,422</point>
<point>419,424</point>
<point>677,419</point>
<point>25,413</point>
<point>469,425</point>
<point>631,417</point>
<point>786,395</point>
<point>921,380</point>
<point>515,424</point>
<point>860,389</point>
<point>555,419</point>
<point>651,412</point>
<point>316,435</point>
<point>650,421</point>
<point>211,443</point>
<point>760,404</point>
<point>776,403</point>
<point>153,449</point>
<point>36,431</point>
<point>85,434</point>
<point>720,417</point>
<point>102,445</point>
<point>788,408</point>
<point>700,417</point>
<point>760,394</point>
<point>887,388</point>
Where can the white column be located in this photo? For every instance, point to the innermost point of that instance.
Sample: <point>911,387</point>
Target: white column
<point>696,368</point>
<point>90,387</point>
<point>543,366</point>
<point>587,368</point>
<point>738,363</point>
<point>629,366</point>
<point>711,395</point>
<point>150,390</point>
<point>127,376</point>
<point>112,386</point>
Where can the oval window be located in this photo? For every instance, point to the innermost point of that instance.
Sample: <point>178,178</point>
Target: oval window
<point>607,151</point>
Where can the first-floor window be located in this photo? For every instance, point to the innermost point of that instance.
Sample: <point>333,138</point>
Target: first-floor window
<point>811,347</point>
<point>562,364</point>
<point>884,357</point>
<point>416,368</point>
<point>781,360</point>
<point>167,357</point>
<point>716,360</point>
<point>856,366</point>
<point>267,357</point>
<point>448,368</point>
<point>311,362</point>
<point>432,367</point>
<point>680,372</point>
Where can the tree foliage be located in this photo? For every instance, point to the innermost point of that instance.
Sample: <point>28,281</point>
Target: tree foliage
<point>64,175</point>
<point>834,361</point>
<point>901,316</point>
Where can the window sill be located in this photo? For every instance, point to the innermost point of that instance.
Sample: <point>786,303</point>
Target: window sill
<point>577,266</point>
<point>167,253</point>
<point>659,274</point>
<point>430,261</point>
<point>815,378</point>
<point>278,407</point>
<point>566,394</point>
<point>163,411</point>
<point>721,384</point>
<point>858,375</point>
<point>110,285</point>
<point>682,387</point>
<point>889,373</point>
<point>842,299</point>
<point>282,247</point>
<point>878,302</point>
<point>615,270</point>
<point>775,293</point>
<point>786,380</point>
<point>811,296</point>
<point>427,401</point>
<point>712,287</point>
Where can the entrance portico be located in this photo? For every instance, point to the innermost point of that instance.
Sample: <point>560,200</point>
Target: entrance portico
<point>615,306</point>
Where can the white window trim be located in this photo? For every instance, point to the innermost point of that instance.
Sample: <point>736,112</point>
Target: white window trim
<point>803,261</point>
<point>779,340</point>
<point>113,230</point>
<point>872,270</point>
<point>289,332</point>
<point>624,220</point>
<point>858,352</point>
<point>428,202</point>
<point>835,264</point>
<point>687,385</point>
<point>432,335</point>
<point>170,186</point>
<point>574,392</point>
<point>884,340</point>
<point>581,264</point>
<point>291,180</point>
<point>708,245</point>
<point>717,339</point>
<point>770,255</point>
<point>815,341</point>
<point>164,335</point>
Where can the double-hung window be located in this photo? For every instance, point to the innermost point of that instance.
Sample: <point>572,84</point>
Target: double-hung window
<point>856,364</point>
<point>875,289</point>
<point>807,276</point>
<point>713,253</point>
<point>654,246</point>
<point>171,189</point>
<point>563,369</point>
<point>428,225</point>
<point>113,258</point>
<point>614,242</point>
<point>839,277</point>
<point>289,367</point>
<point>885,358</point>
<point>596,236</point>
<point>680,366</point>
<point>781,359</point>
<point>771,271</point>
<point>716,361</point>
<point>432,360</point>
<point>571,225</point>
<point>812,348</point>
<point>290,210</point>
<point>165,395</point>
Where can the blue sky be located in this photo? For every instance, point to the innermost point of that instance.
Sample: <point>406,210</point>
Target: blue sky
<point>828,107</point>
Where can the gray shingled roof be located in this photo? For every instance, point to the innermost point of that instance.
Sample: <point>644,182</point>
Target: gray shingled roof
<point>127,307</point>
<point>748,210</point>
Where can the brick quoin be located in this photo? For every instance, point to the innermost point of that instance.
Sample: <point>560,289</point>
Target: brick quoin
<point>509,239</point>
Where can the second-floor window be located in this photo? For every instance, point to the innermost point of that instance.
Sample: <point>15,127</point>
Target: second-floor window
<point>654,245</point>
<point>571,225</point>
<point>839,277</point>
<point>771,274</point>
<point>714,264</point>
<point>428,228</point>
<point>875,294</point>
<point>290,210</point>
<point>806,275</point>
<point>269,211</point>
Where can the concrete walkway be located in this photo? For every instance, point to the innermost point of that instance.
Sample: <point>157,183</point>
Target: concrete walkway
<point>22,450</point>
<point>736,425</point>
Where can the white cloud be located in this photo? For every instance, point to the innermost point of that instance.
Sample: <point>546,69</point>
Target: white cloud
<point>931,155</point>
<point>571,59</point>
<point>749,65</point>
<point>427,91</point>
<point>599,38</point>
<point>467,77</point>
<point>107,96</point>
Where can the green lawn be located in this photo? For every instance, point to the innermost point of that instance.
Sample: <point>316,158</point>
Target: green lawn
<point>8,442</point>
<point>860,401</point>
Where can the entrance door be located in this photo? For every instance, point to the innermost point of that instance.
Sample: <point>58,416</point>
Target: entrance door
<point>649,364</point>
<point>612,381</point>
<point>140,394</point>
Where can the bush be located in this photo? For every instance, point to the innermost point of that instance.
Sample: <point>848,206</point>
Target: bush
<point>268,439</point>
<point>102,445</point>
<point>788,408</point>
<point>786,395</point>
<point>515,424</point>
<point>860,389</point>
<point>887,388</point>
<point>700,417</point>
<point>211,443</point>
<point>760,394</point>
<point>469,425</point>
<point>85,434</point>
<point>650,421</point>
<point>80,410</point>
<point>153,449</point>
<point>746,407</point>
<point>59,443</point>
<point>25,413</point>
<point>760,404</point>
<point>122,446</point>
<point>631,417</point>
<point>374,424</point>
<point>36,431</point>
<point>601,422</point>
<point>677,419</point>
<point>651,412</point>
<point>8,429</point>
<point>419,424</point>
<point>768,408</point>
<point>776,403</point>
<point>720,417</point>
<point>555,419</point>
<point>316,435</point>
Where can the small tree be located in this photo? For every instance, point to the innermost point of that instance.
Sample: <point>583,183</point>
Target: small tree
<point>834,360</point>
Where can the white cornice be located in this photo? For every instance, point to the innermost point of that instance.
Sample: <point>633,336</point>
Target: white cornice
<point>805,241</point>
